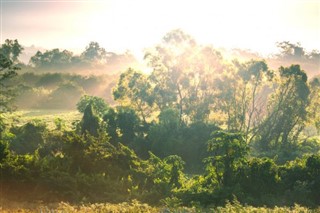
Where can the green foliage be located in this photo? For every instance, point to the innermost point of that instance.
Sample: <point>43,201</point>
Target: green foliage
<point>189,142</point>
<point>98,103</point>
<point>66,94</point>
<point>49,80</point>
<point>314,98</point>
<point>93,56</point>
<point>169,118</point>
<point>134,89</point>
<point>128,123</point>
<point>238,92</point>
<point>259,181</point>
<point>182,75</point>
<point>88,168</point>
<point>310,145</point>
<point>4,151</point>
<point>28,137</point>
<point>288,111</point>
<point>111,124</point>
<point>11,49</point>
<point>52,59</point>
<point>300,180</point>
<point>7,71</point>
<point>59,91</point>
<point>176,164</point>
<point>94,52</point>
<point>194,111</point>
<point>229,151</point>
<point>171,205</point>
<point>123,125</point>
<point>60,124</point>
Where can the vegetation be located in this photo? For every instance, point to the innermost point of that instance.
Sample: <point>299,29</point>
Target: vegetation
<point>135,206</point>
<point>59,91</point>
<point>93,57</point>
<point>195,134</point>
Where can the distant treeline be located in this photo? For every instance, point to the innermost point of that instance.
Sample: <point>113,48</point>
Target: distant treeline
<point>94,59</point>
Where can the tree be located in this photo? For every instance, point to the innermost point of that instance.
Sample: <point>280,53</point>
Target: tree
<point>294,53</point>
<point>134,89</point>
<point>254,77</point>
<point>182,75</point>
<point>176,170</point>
<point>99,104</point>
<point>90,122</point>
<point>259,178</point>
<point>49,80</point>
<point>287,111</point>
<point>52,59</point>
<point>163,138</point>
<point>313,168</point>
<point>122,125</point>
<point>169,118</point>
<point>240,94</point>
<point>11,49</point>
<point>28,137</point>
<point>229,151</point>
<point>7,71</point>
<point>313,110</point>
<point>94,53</point>
<point>228,102</point>
<point>110,118</point>
<point>290,50</point>
<point>65,96</point>
<point>4,151</point>
<point>128,123</point>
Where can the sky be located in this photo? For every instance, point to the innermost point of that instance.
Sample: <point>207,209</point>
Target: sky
<point>120,25</point>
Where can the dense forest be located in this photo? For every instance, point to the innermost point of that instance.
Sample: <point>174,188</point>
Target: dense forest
<point>197,130</point>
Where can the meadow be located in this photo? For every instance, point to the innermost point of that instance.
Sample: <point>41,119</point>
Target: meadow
<point>47,116</point>
<point>137,207</point>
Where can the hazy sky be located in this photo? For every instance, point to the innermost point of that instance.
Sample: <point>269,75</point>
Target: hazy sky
<point>136,24</point>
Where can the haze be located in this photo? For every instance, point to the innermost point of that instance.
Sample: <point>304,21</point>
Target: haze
<point>135,25</point>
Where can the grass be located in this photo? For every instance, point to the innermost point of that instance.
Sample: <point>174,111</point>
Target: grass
<point>21,117</point>
<point>24,207</point>
<point>135,206</point>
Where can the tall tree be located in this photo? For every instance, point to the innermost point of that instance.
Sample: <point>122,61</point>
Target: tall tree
<point>7,71</point>
<point>90,122</point>
<point>239,94</point>
<point>182,75</point>
<point>287,110</point>
<point>314,112</point>
<point>134,89</point>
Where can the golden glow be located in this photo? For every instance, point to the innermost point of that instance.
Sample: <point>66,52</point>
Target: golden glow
<point>124,24</point>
